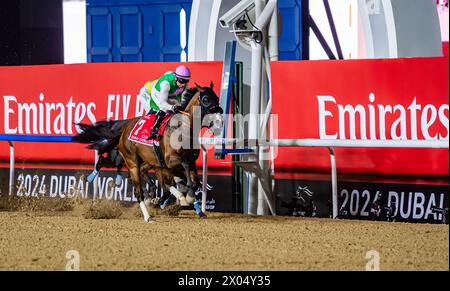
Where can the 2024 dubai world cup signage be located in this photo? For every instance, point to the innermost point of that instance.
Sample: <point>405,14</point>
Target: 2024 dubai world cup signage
<point>49,100</point>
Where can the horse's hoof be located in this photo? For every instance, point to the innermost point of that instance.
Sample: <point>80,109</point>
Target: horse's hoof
<point>147,202</point>
<point>118,180</point>
<point>149,220</point>
<point>182,188</point>
<point>183,202</point>
<point>111,184</point>
<point>155,202</point>
<point>190,198</point>
<point>202,215</point>
<point>91,178</point>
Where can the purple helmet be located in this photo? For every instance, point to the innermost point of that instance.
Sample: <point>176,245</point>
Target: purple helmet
<point>183,72</point>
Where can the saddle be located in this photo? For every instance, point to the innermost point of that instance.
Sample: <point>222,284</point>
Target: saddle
<point>141,132</point>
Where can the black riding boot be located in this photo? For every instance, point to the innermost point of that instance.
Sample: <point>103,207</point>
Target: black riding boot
<point>159,119</point>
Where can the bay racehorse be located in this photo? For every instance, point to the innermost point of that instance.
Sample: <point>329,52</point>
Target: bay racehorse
<point>178,144</point>
<point>106,136</point>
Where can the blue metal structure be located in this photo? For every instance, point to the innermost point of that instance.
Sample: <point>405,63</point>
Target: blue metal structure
<point>149,30</point>
<point>135,30</point>
<point>227,88</point>
<point>35,138</point>
<point>292,34</point>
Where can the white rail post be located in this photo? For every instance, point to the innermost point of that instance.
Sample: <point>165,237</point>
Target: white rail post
<point>334,182</point>
<point>11,168</point>
<point>205,177</point>
<point>254,110</point>
<point>95,182</point>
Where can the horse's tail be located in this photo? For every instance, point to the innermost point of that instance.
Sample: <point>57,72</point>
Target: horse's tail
<point>102,136</point>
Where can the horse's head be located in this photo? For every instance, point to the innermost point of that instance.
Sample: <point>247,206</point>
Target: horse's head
<point>212,113</point>
<point>208,101</point>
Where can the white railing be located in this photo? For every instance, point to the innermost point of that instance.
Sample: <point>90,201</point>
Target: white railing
<point>10,138</point>
<point>330,144</point>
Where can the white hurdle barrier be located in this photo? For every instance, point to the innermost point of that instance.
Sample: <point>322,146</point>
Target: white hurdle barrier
<point>330,144</point>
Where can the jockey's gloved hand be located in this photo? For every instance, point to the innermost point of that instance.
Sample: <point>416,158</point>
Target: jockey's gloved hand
<point>177,108</point>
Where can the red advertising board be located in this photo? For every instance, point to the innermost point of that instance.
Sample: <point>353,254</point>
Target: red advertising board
<point>48,100</point>
<point>363,99</point>
<point>398,99</point>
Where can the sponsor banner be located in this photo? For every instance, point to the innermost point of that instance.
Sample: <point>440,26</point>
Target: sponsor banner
<point>68,183</point>
<point>398,99</point>
<point>49,100</point>
<point>368,201</point>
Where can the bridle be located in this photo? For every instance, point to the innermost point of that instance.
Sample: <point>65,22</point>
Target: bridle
<point>205,103</point>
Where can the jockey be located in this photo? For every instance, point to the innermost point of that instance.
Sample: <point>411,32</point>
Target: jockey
<point>155,95</point>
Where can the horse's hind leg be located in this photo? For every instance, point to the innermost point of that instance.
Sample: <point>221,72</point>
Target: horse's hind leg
<point>133,169</point>
<point>128,152</point>
<point>119,164</point>
<point>146,178</point>
<point>135,176</point>
<point>96,170</point>
<point>151,197</point>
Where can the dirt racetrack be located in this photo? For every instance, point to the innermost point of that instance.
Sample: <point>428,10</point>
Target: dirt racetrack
<point>33,240</point>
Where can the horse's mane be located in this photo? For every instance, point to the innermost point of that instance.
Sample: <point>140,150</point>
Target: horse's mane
<point>192,91</point>
<point>209,91</point>
<point>188,95</point>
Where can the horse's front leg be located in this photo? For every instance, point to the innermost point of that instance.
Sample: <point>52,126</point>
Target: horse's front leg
<point>194,177</point>
<point>198,208</point>
<point>169,187</point>
<point>191,170</point>
<point>190,197</point>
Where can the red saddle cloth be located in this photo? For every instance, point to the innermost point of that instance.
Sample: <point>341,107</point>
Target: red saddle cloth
<point>143,127</point>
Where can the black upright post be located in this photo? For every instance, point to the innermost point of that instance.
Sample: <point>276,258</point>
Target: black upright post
<point>31,32</point>
<point>238,173</point>
<point>305,29</point>
<point>10,33</point>
<point>42,39</point>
